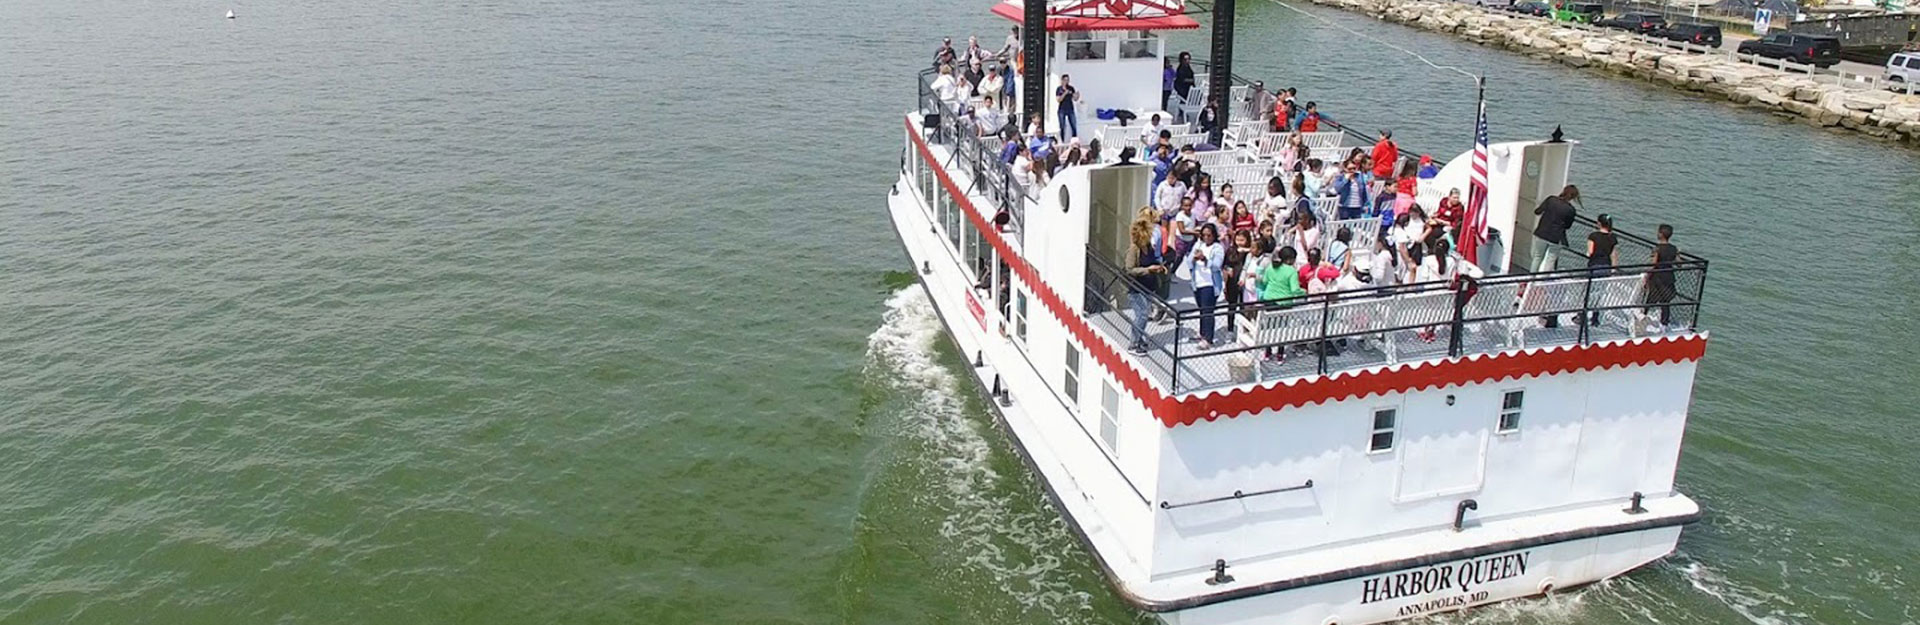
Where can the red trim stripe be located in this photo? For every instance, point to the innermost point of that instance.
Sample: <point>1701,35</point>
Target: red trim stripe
<point>1173,411</point>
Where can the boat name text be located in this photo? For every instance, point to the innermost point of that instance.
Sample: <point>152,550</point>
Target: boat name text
<point>1461,577</point>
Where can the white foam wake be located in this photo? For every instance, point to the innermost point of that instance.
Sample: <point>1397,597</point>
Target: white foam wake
<point>1018,547</point>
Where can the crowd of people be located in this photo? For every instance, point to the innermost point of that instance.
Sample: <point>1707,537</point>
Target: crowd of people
<point>1228,248</point>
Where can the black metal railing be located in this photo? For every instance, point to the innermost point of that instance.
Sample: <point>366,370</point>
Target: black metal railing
<point>977,154</point>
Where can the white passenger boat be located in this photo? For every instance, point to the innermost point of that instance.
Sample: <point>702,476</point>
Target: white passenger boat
<point>1457,452</point>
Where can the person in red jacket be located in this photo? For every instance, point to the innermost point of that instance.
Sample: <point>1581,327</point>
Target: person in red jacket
<point>1386,156</point>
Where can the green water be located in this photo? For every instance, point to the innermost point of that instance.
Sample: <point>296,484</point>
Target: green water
<point>584,312</point>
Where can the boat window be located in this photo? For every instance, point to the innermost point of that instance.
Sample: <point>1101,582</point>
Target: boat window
<point>1110,418</point>
<point>982,255</point>
<point>1071,386</point>
<point>1383,423</point>
<point>1081,46</point>
<point>954,221</point>
<point>1020,316</point>
<point>1510,410</point>
<point>1139,44</point>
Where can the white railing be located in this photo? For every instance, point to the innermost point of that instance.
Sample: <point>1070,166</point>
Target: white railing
<point>1115,137</point>
<point>1327,139</point>
<point>1245,176</point>
<point>1220,158</point>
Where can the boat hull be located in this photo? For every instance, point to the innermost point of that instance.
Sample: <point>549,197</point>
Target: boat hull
<point>1443,586</point>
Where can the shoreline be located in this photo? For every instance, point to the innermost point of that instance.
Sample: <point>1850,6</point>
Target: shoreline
<point>1872,112</point>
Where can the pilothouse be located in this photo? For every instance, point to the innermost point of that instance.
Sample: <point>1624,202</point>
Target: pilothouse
<point>1274,370</point>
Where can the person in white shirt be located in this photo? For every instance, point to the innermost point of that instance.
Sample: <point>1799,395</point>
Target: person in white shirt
<point>1204,268</point>
<point>1255,267</point>
<point>1151,133</point>
<point>1022,166</point>
<point>1276,200</point>
<point>1385,268</point>
<point>988,118</point>
<point>1306,235</point>
<point>1167,197</point>
<point>1013,44</point>
<point>948,89</point>
<point>1442,265</point>
<point>991,84</point>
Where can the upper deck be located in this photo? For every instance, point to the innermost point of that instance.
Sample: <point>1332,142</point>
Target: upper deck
<point>1326,333</point>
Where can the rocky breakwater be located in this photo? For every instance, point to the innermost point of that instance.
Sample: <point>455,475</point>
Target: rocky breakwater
<point>1819,101</point>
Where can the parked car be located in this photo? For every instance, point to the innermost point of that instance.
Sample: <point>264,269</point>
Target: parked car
<point>1643,23</point>
<point>1538,9</point>
<point>1694,32</point>
<point>1904,68</point>
<point>1815,50</point>
<point>1580,12</point>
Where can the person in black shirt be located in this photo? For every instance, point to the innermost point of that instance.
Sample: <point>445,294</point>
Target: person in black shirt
<point>1209,119</point>
<point>1660,288</point>
<point>945,54</point>
<point>1602,252</point>
<point>1183,77</point>
<point>1556,216</point>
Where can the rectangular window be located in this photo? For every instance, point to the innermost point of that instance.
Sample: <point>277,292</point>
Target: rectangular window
<point>1510,410</point>
<point>1139,44</point>
<point>1382,436</point>
<point>1071,386</point>
<point>1082,46</point>
<point>955,218</point>
<point>1110,418</point>
<point>1020,316</point>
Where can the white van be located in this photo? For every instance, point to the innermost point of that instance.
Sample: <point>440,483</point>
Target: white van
<point>1904,68</point>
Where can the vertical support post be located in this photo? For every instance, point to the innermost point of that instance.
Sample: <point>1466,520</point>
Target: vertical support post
<point>1033,77</point>
<point>1464,291</point>
<point>1220,80</point>
<point>1326,320</point>
<point>1586,314</point>
<point>1174,314</point>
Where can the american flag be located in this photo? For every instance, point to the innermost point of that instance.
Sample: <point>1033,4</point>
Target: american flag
<point>1476,217</point>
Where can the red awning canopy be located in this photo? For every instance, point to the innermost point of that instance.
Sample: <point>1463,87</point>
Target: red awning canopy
<point>1064,23</point>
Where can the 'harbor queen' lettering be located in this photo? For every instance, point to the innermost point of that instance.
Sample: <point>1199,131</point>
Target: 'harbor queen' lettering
<point>1460,577</point>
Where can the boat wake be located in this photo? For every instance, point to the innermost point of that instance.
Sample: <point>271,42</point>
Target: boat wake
<point>995,541</point>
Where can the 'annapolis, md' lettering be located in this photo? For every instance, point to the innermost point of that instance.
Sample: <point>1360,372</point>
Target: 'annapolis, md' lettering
<point>1459,577</point>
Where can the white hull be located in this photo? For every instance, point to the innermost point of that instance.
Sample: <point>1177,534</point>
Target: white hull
<point>1338,587</point>
<point>1445,586</point>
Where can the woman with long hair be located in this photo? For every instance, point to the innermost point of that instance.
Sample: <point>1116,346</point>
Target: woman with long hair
<point>1243,220</point>
<point>1147,271</point>
<point>1202,194</point>
<point>1234,290</point>
<point>1306,234</point>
